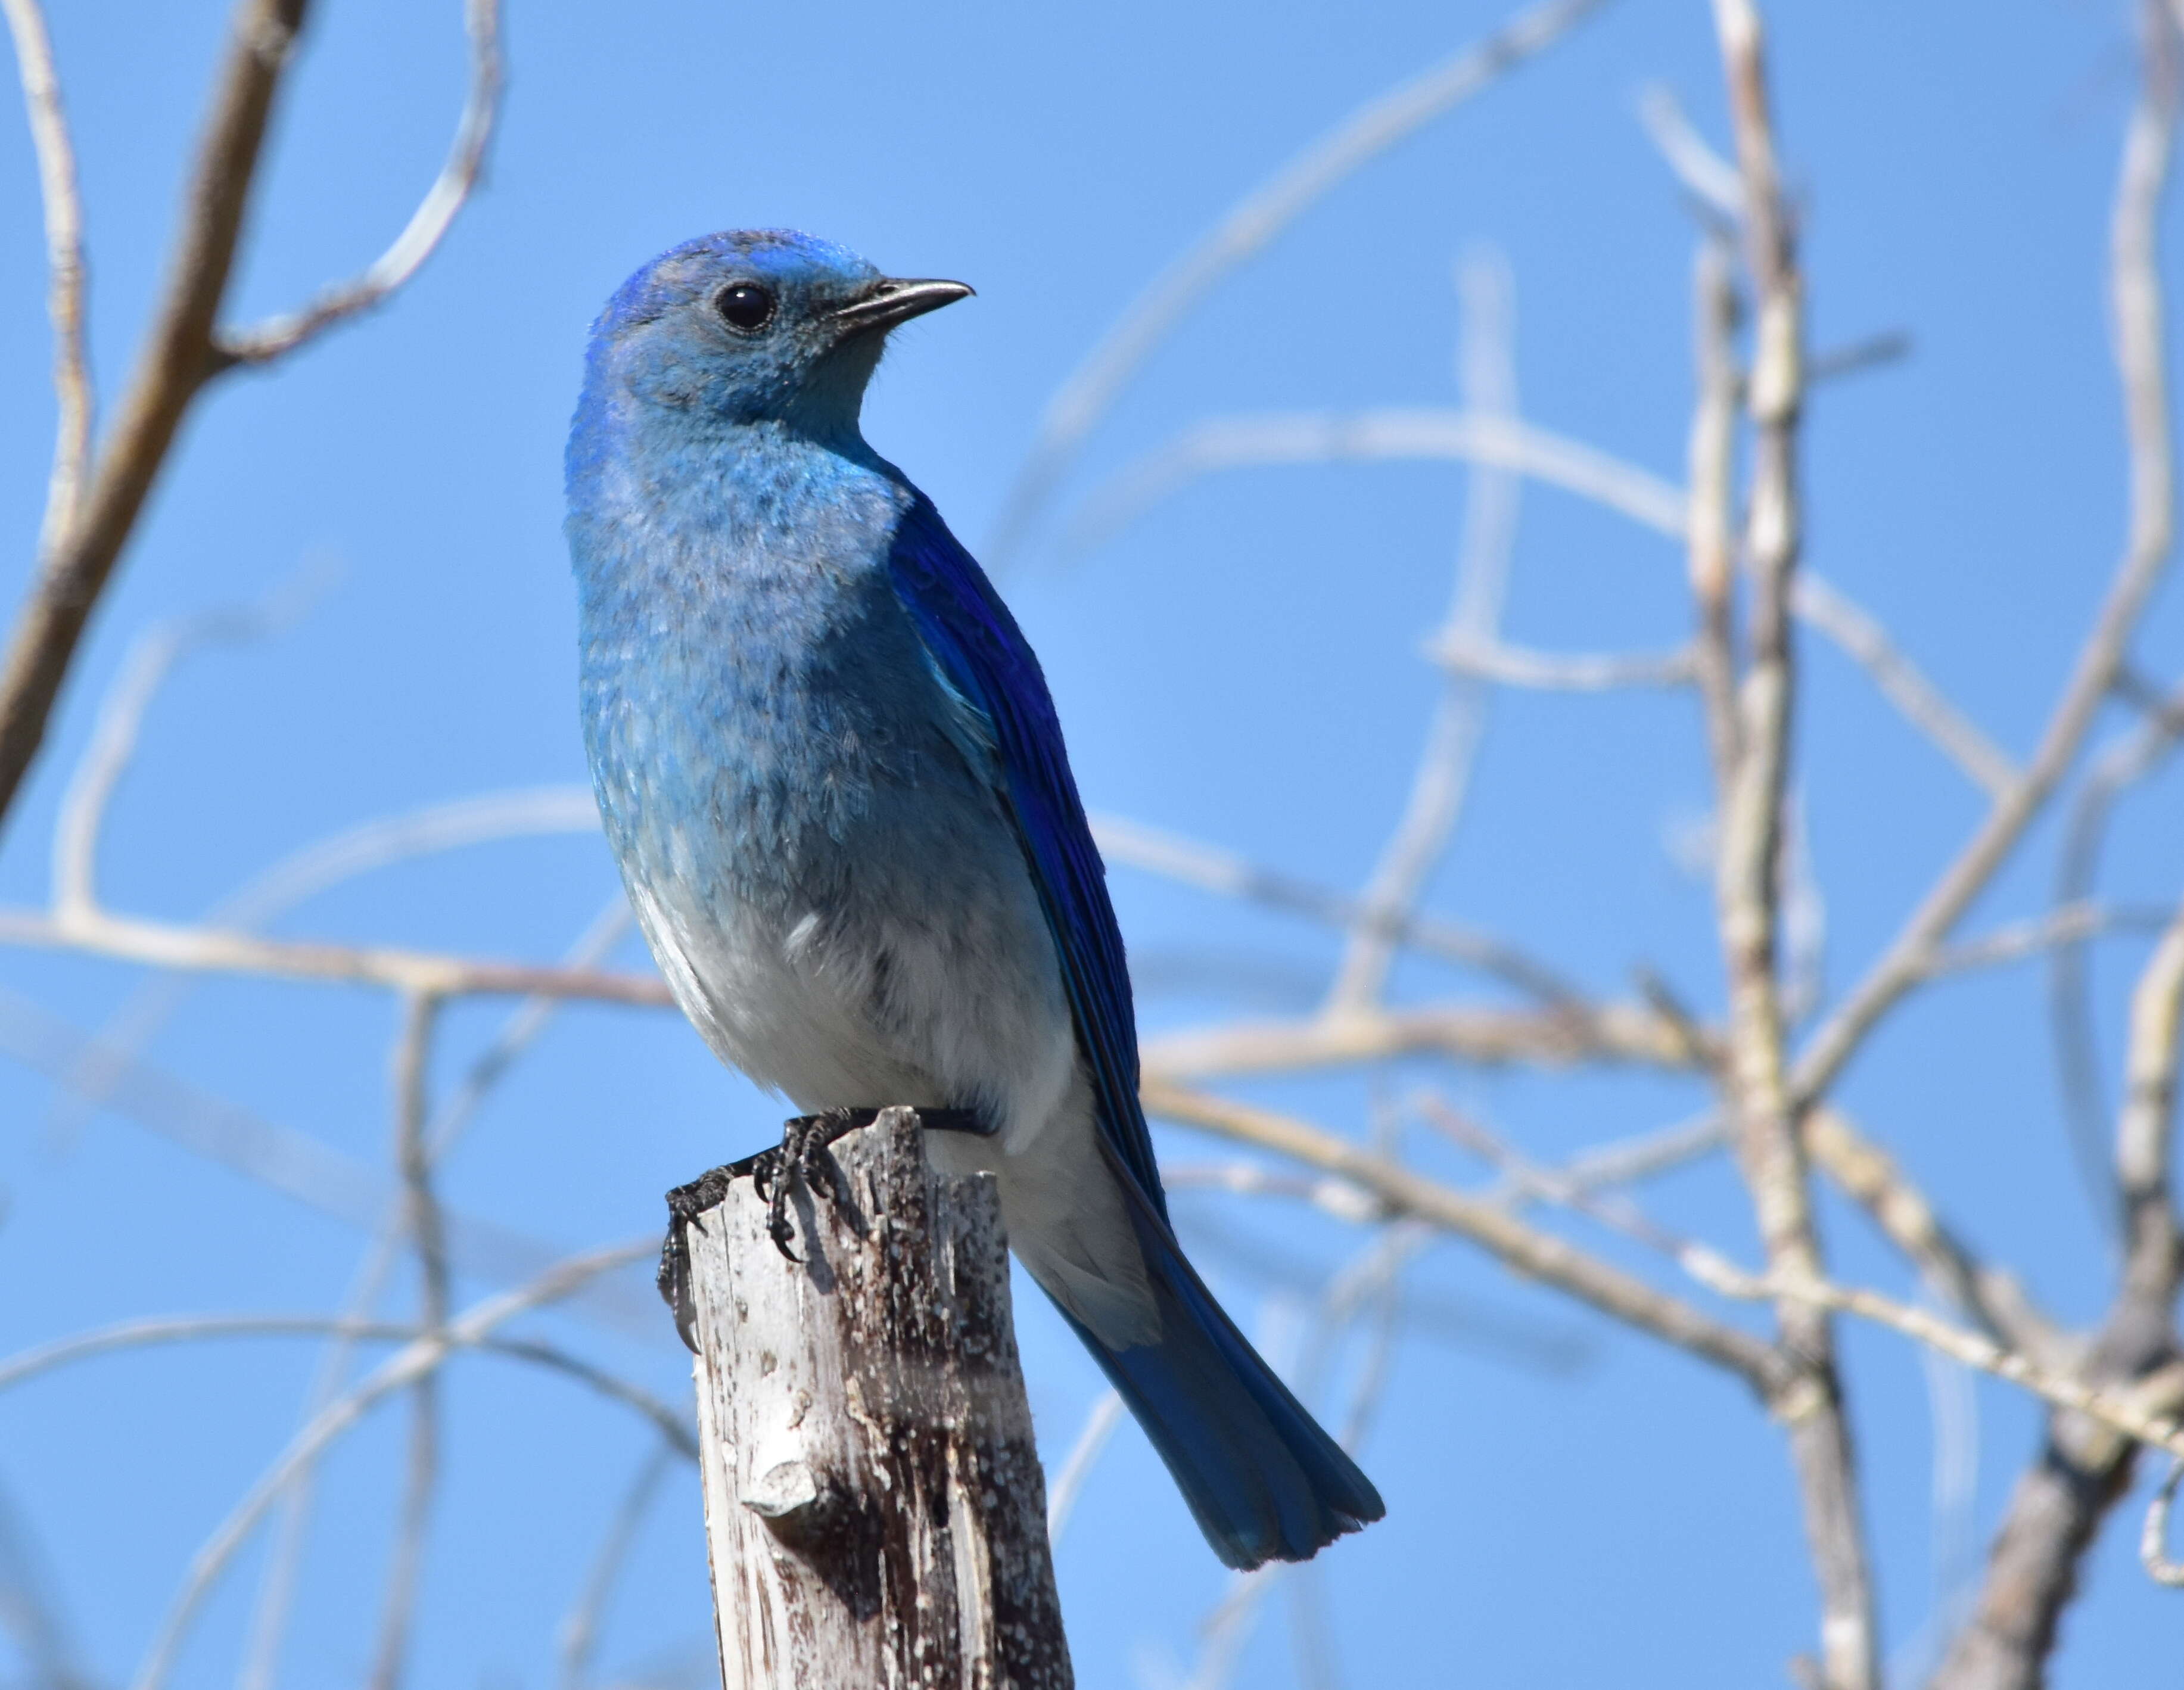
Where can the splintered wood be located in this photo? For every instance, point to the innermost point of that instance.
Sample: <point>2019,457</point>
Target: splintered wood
<point>874,1505</point>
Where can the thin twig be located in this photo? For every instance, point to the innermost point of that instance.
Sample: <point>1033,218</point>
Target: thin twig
<point>1752,816</point>
<point>1424,433</point>
<point>1711,462</point>
<point>1100,1424</point>
<point>2140,339</point>
<point>282,1568</point>
<point>64,263</point>
<point>2154,1246</point>
<point>580,1630</point>
<point>1336,1198</point>
<point>1517,666</point>
<point>428,224</point>
<point>1870,1177</point>
<point>428,1229</point>
<point>1486,366</point>
<point>2079,1474</point>
<point>2117,768</point>
<point>2153,1537</point>
<point>1558,1037</point>
<point>80,821</point>
<point>1089,390</point>
<point>2146,1414</point>
<point>525,1022</point>
<point>2066,924</point>
<point>165,944</point>
<point>1710,179</point>
<point>129,1335</point>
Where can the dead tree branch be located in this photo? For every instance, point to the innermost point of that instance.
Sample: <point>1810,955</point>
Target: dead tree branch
<point>1751,855</point>
<point>873,1502</point>
<point>67,278</point>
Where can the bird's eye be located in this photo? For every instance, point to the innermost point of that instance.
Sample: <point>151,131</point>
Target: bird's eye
<point>745,306</point>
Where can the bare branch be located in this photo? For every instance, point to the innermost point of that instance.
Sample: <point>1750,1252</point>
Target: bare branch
<point>2067,924</point>
<point>2154,1538</point>
<point>2119,765</point>
<point>1603,1033</point>
<point>176,361</point>
<point>2140,339</point>
<point>106,759</point>
<point>164,946</point>
<point>1397,434</point>
<point>1337,1197</point>
<point>529,1019</point>
<point>25,1365</point>
<point>1859,634</point>
<point>1532,1179</point>
<point>1488,371</point>
<point>1986,1295</point>
<point>1711,460</point>
<point>1534,1254</point>
<point>64,265</point>
<point>580,1631</point>
<point>428,1229</point>
<point>2154,1248</point>
<point>1517,666</point>
<point>1752,813</point>
<point>2147,1414</point>
<point>1089,390</point>
<point>1626,1161</point>
<point>1868,353</point>
<point>1077,1467</point>
<point>1710,179</point>
<point>435,214</point>
<point>2082,1471</point>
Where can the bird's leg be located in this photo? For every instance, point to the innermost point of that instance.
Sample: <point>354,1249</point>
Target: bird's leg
<point>685,1204</point>
<point>803,1155</point>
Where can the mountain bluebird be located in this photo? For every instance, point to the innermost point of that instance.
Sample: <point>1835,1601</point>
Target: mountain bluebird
<point>829,767</point>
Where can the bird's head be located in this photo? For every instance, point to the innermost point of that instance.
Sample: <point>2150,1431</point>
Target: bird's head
<point>754,325</point>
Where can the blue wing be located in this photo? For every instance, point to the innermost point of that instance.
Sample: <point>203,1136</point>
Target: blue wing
<point>981,653</point>
<point>1262,1476</point>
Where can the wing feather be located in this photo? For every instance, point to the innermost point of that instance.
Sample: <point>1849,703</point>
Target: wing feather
<point>981,654</point>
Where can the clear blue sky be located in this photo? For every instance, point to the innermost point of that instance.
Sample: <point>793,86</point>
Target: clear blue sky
<point>1567,1504</point>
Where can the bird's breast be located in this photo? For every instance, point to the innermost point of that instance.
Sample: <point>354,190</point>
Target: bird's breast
<point>831,884</point>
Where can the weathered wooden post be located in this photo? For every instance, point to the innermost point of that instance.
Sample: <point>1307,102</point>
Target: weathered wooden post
<point>874,1506</point>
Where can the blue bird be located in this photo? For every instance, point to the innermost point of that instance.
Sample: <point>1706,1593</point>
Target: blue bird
<point>830,770</point>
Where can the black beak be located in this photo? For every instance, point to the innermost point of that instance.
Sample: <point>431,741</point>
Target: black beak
<point>896,300</point>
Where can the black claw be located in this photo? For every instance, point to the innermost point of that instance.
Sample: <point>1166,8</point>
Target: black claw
<point>686,1204</point>
<point>804,1157</point>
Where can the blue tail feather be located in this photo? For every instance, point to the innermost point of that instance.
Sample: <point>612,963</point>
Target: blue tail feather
<point>1264,1481</point>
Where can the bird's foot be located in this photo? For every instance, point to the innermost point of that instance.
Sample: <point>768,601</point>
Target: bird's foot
<point>685,1204</point>
<point>803,1157</point>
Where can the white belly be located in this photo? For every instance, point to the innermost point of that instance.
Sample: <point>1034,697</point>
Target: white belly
<point>800,1006</point>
